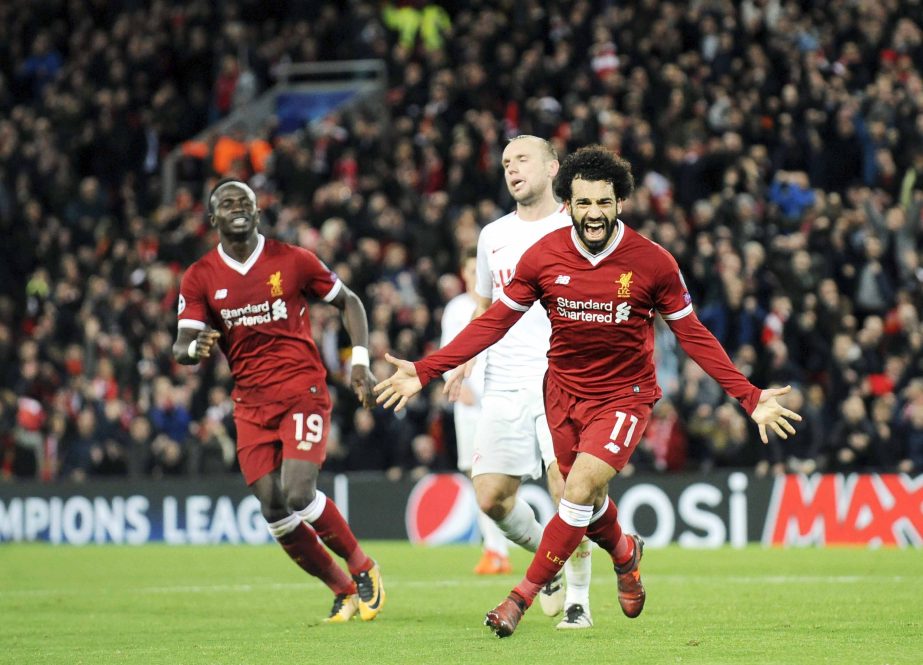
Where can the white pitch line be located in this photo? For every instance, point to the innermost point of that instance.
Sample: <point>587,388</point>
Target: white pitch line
<point>599,580</point>
<point>785,579</point>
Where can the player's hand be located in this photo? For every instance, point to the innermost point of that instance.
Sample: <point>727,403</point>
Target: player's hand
<point>400,386</point>
<point>769,412</point>
<point>454,379</point>
<point>467,396</point>
<point>205,341</point>
<point>362,380</point>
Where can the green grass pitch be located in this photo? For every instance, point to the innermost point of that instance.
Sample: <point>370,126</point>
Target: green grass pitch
<point>238,604</point>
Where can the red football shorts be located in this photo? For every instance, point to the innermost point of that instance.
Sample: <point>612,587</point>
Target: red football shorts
<point>608,429</point>
<point>292,429</point>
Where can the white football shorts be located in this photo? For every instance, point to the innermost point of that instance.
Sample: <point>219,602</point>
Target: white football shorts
<point>466,423</point>
<point>512,435</point>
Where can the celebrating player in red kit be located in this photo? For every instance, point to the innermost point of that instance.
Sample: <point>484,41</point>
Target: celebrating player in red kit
<point>250,296</point>
<point>601,285</point>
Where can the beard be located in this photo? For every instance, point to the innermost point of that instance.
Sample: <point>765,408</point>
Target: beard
<point>595,242</point>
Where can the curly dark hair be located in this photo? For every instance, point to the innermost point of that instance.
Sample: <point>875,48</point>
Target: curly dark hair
<point>594,162</point>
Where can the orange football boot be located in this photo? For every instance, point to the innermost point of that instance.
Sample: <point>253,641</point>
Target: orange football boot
<point>492,563</point>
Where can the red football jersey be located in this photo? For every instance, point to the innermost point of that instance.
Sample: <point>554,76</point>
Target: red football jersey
<point>261,309</point>
<point>601,309</point>
<point>602,312</point>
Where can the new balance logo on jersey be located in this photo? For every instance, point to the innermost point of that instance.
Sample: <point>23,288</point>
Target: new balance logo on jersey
<point>562,279</point>
<point>221,294</point>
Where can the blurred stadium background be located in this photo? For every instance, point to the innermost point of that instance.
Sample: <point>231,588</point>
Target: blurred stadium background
<point>778,148</point>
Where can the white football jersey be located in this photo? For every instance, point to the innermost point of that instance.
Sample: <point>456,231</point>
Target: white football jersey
<point>455,316</point>
<point>519,359</point>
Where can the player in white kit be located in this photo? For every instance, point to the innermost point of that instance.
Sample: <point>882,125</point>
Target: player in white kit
<point>467,412</point>
<point>512,440</point>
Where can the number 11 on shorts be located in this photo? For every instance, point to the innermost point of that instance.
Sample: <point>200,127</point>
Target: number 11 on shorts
<point>620,417</point>
<point>308,430</point>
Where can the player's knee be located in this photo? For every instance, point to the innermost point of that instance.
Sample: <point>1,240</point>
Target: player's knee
<point>494,504</point>
<point>581,491</point>
<point>272,507</point>
<point>298,498</point>
<point>493,510</point>
<point>273,513</point>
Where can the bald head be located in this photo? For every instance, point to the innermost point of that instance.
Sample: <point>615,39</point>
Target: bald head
<point>530,164</point>
<point>544,145</point>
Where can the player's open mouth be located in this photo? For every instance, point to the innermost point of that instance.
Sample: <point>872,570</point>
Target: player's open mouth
<point>516,183</point>
<point>594,231</point>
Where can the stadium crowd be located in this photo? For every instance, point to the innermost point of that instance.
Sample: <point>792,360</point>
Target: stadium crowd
<point>777,146</point>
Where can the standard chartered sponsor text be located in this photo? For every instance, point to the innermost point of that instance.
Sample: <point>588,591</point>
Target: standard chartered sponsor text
<point>255,314</point>
<point>593,311</point>
<point>252,308</point>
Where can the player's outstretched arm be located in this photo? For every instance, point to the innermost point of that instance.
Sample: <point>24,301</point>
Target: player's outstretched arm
<point>400,386</point>
<point>762,405</point>
<point>769,412</point>
<point>455,378</point>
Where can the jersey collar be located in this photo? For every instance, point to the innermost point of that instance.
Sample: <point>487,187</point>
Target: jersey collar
<point>243,268</point>
<point>596,258</point>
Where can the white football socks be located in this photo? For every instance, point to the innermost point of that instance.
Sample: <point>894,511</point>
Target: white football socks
<point>577,571</point>
<point>521,527</point>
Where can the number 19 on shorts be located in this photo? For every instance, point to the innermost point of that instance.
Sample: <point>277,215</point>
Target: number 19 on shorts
<point>308,429</point>
<point>620,417</point>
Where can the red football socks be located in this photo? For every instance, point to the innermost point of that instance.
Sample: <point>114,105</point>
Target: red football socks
<point>606,532</point>
<point>559,540</point>
<point>337,535</point>
<point>305,550</point>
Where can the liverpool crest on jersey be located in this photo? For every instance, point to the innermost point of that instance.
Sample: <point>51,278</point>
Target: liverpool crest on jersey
<point>275,283</point>
<point>624,282</point>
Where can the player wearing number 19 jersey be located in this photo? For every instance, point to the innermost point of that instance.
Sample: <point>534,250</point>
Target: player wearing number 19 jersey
<point>250,295</point>
<point>261,307</point>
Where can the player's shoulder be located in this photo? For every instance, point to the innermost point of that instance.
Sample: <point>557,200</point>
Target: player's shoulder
<point>499,226</point>
<point>646,251</point>
<point>557,237</point>
<point>203,265</point>
<point>504,220</point>
<point>549,247</point>
<point>645,247</point>
<point>279,250</point>
<point>560,218</point>
<point>273,247</point>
